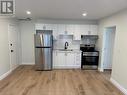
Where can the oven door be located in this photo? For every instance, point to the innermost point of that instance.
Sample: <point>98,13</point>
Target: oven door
<point>90,60</point>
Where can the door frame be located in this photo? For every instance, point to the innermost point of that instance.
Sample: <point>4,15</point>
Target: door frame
<point>103,46</point>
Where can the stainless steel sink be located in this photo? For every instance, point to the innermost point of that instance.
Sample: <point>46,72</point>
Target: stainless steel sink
<point>66,49</point>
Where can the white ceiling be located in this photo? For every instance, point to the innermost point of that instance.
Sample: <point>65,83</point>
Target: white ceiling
<point>69,9</point>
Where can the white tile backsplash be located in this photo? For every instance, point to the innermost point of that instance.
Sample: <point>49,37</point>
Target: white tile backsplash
<point>73,44</point>
<point>59,44</point>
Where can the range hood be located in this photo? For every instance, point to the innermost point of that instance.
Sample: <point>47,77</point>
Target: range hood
<point>95,37</point>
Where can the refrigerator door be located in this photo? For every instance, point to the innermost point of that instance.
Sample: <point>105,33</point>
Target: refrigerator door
<point>43,40</point>
<point>43,58</point>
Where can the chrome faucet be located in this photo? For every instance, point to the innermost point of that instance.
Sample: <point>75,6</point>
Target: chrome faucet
<point>66,45</point>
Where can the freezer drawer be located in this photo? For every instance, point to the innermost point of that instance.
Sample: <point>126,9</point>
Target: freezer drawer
<point>43,58</point>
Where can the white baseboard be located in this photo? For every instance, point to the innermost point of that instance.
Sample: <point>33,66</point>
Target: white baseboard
<point>7,73</point>
<point>66,67</point>
<point>27,64</point>
<point>14,67</point>
<point>121,88</point>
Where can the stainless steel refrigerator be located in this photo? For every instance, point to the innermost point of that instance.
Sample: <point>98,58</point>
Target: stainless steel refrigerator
<point>43,50</point>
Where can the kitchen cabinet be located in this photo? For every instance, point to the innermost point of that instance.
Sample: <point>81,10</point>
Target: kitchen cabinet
<point>69,58</point>
<point>78,59</point>
<point>84,29</point>
<point>62,29</point>
<point>70,29</point>
<point>93,30</point>
<point>43,26</point>
<point>66,59</point>
<point>55,31</point>
<point>53,27</point>
<point>58,59</point>
<point>77,32</point>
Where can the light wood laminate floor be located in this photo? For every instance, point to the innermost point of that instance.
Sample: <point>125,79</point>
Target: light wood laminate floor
<point>26,81</point>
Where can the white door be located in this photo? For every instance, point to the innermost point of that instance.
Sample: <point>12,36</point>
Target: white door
<point>109,47</point>
<point>12,35</point>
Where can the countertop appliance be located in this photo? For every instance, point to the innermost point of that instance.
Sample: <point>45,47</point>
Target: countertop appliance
<point>43,50</point>
<point>89,58</point>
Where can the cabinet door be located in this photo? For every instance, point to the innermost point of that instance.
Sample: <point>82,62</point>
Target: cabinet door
<point>84,29</point>
<point>78,59</point>
<point>77,33</point>
<point>93,29</point>
<point>62,29</point>
<point>61,63</point>
<point>70,60</point>
<point>39,26</point>
<point>43,26</point>
<point>48,27</point>
<point>55,63</point>
<point>55,31</point>
<point>70,29</point>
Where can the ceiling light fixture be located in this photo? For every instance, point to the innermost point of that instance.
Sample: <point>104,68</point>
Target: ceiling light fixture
<point>28,12</point>
<point>84,14</point>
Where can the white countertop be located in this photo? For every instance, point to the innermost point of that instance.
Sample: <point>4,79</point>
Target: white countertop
<point>73,50</point>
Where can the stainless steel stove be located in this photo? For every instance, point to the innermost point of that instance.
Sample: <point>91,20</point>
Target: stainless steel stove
<point>89,57</point>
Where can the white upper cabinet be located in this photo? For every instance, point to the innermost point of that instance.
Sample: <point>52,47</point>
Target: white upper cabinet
<point>66,29</point>
<point>84,29</point>
<point>70,29</point>
<point>53,27</point>
<point>62,29</point>
<point>77,32</point>
<point>43,26</point>
<point>93,30</point>
<point>55,31</point>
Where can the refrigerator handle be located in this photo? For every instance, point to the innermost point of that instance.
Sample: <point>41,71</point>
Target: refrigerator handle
<point>41,37</point>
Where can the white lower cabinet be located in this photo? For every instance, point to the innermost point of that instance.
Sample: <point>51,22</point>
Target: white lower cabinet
<point>66,60</point>
<point>58,59</point>
<point>78,59</point>
<point>70,62</point>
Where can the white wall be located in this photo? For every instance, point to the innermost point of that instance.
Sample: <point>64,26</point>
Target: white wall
<point>27,42</point>
<point>27,36</point>
<point>4,46</point>
<point>120,47</point>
